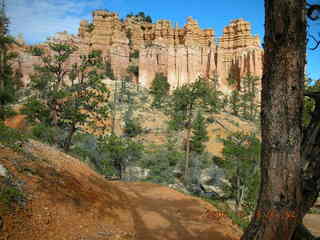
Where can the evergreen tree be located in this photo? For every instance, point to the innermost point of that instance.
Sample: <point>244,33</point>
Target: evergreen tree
<point>132,127</point>
<point>234,101</point>
<point>248,97</point>
<point>159,89</point>
<point>241,159</point>
<point>184,102</point>
<point>200,134</point>
<point>9,78</point>
<point>108,70</point>
<point>117,153</point>
<point>283,188</point>
<point>80,102</point>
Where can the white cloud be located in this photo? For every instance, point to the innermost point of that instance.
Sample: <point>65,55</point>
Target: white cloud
<point>38,19</point>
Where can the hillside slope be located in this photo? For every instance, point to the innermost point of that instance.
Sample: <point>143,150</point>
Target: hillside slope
<point>65,199</point>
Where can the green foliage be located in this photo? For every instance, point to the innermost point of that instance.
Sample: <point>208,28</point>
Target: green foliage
<point>117,153</point>
<point>134,70</point>
<point>4,23</point>
<point>243,101</point>
<point>11,137</point>
<point>6,111</point>
<point>249,92</point>
<point>36,51</point>
<point>232,81</point>
<point>225,103</point>
<point>241,159</point>
<point>124,95</point>
<point>10,195</point>
<point>200,134</point>
<point>132,128</point>
<point>309,104</point>
<point>129,36</point>
<point>10,79</point>
<point>90,27</point>
<point>162,161</point>
<point>135,54</point>
<point>159,89</point>
<point>85,146</point>
<point>109,71</point>
<point>148,19</point>
<point>36,110</point>
<point>234,102</point>
<point>140,17</point>
<point>198,162</point>
<point>47,133</point>
<point>82,102</point>
<point>184,101</point>
<point>236,218</point>
<point>188,98</point>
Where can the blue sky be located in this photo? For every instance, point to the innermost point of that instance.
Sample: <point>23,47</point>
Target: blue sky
<point>38,19</point>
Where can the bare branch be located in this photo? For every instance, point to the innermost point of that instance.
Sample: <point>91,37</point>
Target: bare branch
<point>313,9</point>
<point>317,43</point>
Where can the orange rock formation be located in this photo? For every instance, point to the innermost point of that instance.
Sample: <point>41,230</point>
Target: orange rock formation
<point>182,54</point>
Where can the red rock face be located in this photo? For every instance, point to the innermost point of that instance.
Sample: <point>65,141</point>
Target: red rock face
<point>240,53</point>
<point>182,54</point>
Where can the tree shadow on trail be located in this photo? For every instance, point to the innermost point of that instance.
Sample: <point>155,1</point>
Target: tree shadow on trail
<point>170,215</point>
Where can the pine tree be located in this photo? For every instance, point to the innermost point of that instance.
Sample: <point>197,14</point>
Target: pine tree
<point>9,78</point>
<point>248,97</point>
<point>159,89</point>
<point>234,101</point>
<point>200,134</point>
<point>282,189</point>
<point>185,100</point>
<point>68,105</point>
<point>241,159</point>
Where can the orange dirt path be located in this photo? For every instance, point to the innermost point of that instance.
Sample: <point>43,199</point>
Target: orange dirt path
<point>68,200</point>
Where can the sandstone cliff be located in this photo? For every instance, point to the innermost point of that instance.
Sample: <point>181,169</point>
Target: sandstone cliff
<point>182,54</point>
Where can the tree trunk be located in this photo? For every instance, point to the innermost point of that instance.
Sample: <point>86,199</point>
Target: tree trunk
<point>238,187</point>
<point>311,166</point>
<point>278,211</point>
<point>302,233</point>
<point>188,143</point>
<point>186,171</point>
<point>114,111</point>
<point>68,140</point>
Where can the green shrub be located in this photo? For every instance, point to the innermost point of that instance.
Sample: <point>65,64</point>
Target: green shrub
<point>242,222</point>
<point>47,133</point>
<point>159,89</point>
<point>134,70</point>
<point>7,112</point>
<point>10,194</point>
<point>11,137</point>
<point>116,153</point>
<point>36,51</point>
<point>36,111</point>
<point>135,54</point>
<point>90,27</point>
<point>162,161</point>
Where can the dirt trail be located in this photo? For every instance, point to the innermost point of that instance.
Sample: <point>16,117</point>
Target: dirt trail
<point>162,213</point>
<point>68,200</point>
<point>312,221</point>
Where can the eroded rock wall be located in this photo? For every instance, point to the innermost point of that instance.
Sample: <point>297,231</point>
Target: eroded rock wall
<point>182,54</point>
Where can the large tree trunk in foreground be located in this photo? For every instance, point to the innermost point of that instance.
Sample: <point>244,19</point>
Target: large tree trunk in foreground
<point>311,166</point>
<point>279,209</point>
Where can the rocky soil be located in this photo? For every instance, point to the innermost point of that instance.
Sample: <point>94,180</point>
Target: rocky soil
<point>63,198</point>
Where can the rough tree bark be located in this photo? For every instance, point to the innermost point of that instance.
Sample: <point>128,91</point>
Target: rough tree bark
<point>311,167</point>
<point>279,208</point>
